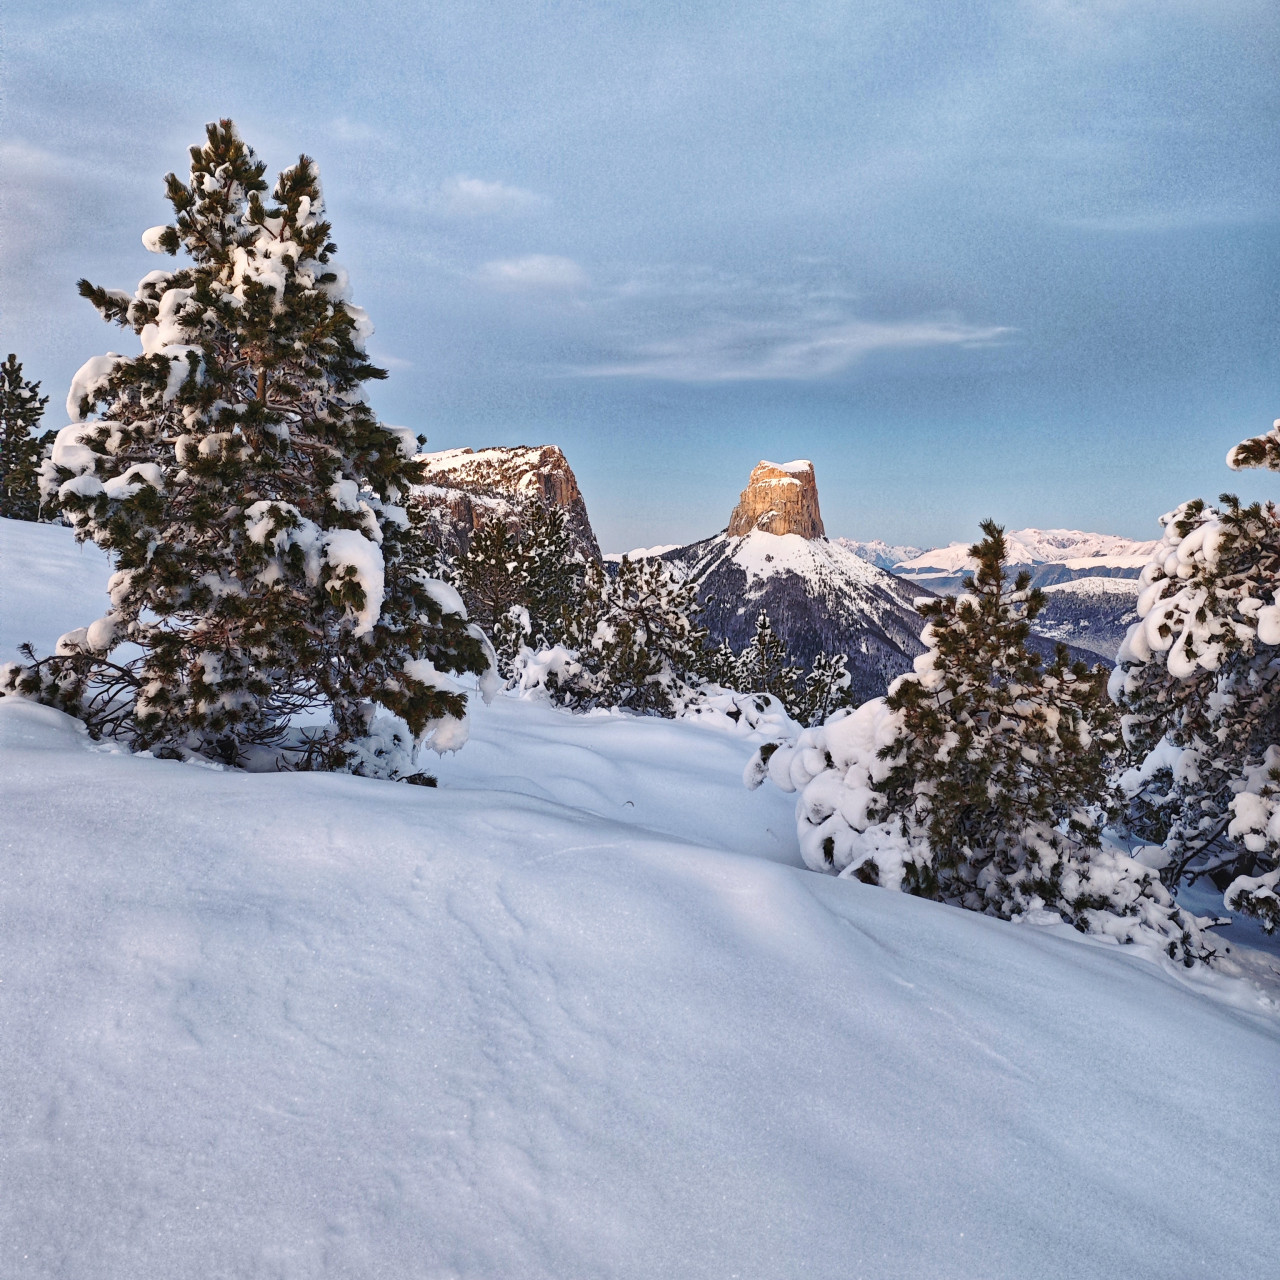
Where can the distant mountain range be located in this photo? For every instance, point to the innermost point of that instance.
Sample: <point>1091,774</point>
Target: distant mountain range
<point>1050,555</point>
<point>832,595</point>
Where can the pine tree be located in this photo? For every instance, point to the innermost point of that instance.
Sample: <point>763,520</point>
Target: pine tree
<point>252,501</point>
<point>982,778</point>
<point>1198,680</point>
<point>997,751</point>
<point>763,667</point>
<point>493,579</point>
<point>21,407</point>
<point>720,665</point>
<point>639,638</point>
<point>554,594</point>
<point>524,587</point>
<point>634,643</point>
<point>826,688</point>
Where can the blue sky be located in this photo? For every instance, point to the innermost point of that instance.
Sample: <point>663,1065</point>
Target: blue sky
<point>1012,259</point>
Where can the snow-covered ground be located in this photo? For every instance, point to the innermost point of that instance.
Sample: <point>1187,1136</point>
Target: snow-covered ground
<point>576,1013</point>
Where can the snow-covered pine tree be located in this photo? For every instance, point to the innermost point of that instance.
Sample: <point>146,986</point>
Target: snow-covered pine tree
<point>720,665</point>
<point>251,500</point>
<point>1198,680</point>
<point>997,751</point>
<point>639,639</point>
<point>826,688</point>
<point>634,643</point>
<point>763,667</point>
<point>493,579</point>
<point>524,587</point>
<point>982,778</point>
<point>554,594</point>
<point>21,407</point>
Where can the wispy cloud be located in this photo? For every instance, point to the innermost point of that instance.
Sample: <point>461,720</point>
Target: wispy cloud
<point>464,197</point>
<point>357,132</point>
<point>1156,221</point>
<point>798,351</point>
<point>535,272</point>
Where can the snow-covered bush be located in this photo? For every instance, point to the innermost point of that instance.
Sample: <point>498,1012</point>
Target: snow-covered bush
<point>741,714</point>
<point>1198,682</point>
<point>265,566</point>
<point>981,779</point>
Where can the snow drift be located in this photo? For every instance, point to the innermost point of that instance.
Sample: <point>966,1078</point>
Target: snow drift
<point>578,1012</point>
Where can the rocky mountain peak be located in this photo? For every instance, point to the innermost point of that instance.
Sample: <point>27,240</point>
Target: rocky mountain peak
<point>780,497</point>
<point>465,487</point>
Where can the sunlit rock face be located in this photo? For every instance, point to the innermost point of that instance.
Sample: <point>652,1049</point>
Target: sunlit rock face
<point>779,498</point>
<point>465,487</point>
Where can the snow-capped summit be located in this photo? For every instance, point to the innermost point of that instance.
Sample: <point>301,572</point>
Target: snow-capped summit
<point>820,596</point>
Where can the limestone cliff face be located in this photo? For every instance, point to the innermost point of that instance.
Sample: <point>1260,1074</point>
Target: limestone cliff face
<point>779,498</point>
<point>465,487</point>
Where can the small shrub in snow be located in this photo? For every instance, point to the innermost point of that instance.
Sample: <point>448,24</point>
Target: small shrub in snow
<point>1198,681</point>
<point>265,566</point>
<point>21,407</point>
<point>981,779</point>
<point>741,714</point>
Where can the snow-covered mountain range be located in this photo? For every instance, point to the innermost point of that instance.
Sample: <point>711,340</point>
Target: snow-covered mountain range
<point>1051,555</point>
<point>821,594</point>
<point>882,554</point>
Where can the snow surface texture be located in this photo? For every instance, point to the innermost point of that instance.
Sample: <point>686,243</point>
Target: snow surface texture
<point>577,1013</point>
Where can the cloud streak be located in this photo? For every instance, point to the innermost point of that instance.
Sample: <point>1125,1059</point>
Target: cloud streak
<point>750,351</point>
<point>533,273</point>
<point>464,197</point>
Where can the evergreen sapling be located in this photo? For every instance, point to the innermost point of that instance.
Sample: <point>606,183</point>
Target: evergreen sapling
<point>21,407</point>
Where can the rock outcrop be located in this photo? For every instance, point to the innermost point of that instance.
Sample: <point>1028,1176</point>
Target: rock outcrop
<point>779,498</point>
<point>465,487</point>
<point>820,597</point>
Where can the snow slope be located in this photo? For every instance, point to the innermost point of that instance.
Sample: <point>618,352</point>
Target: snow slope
<point>576,1013</point>
<point>48,584</point>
